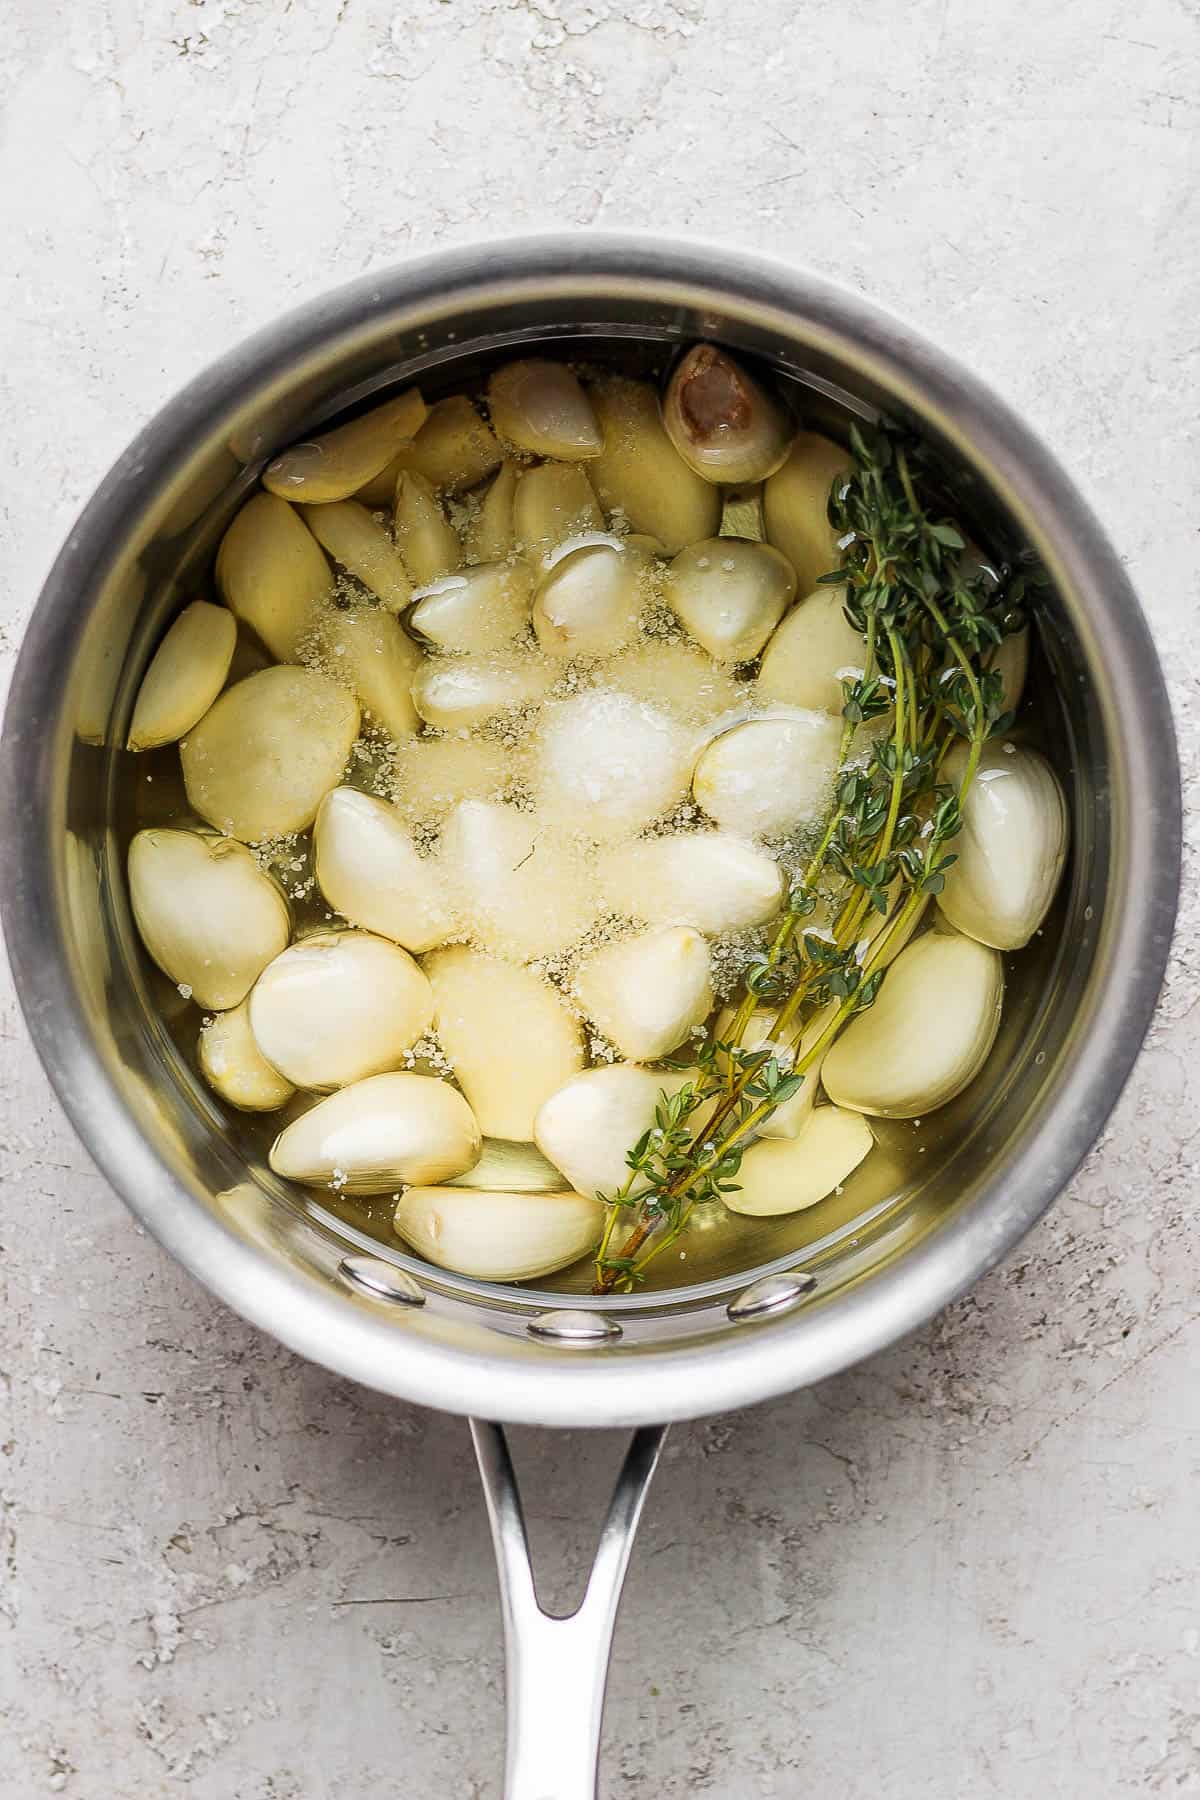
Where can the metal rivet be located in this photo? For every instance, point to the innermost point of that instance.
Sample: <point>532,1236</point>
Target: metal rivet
<point>773,1294</point>
<point>574,1327</point>
<point>382,1280</point>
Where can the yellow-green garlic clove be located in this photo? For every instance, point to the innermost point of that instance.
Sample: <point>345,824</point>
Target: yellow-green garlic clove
<point>788,1119</point>
<point>454,447</point>
<point>795,507</point>
<point>338,1006</point>
<point>792,1173</point>
<point>354,538</point>
<point>539,406</point>
<point>1012,847</point>
<point>262,759</point>
<point>488,535</point>
<point>646,994</point>
<point>554,501</point>
<point>495,1236</point>
<point>367,649</point>
<point>730,593</point>
<point>186,674</point>
<point>340,462</point>
<point>708,879</point>
<point>207,914</point>
<point>587,1126</point>
<point>768,776</point>
<point>234,1066</point>
<point>369,869</point>
<point>425,538</point>
<point>477,610</point>
<point>459,693</point>
<point>378,1133</point>
<point>927,1035</point>
<point>272,573</point>
<point>640,477</point>
<point>811,653</point>
<point>506,1033</point>
<point>588,601</point>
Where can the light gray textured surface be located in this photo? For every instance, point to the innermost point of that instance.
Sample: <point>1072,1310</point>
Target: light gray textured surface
<point>969,1567</point>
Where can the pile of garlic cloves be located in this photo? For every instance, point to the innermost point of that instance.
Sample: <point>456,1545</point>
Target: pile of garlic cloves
<point>545,694</point>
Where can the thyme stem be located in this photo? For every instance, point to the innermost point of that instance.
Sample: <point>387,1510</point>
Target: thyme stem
<point>929,635</point>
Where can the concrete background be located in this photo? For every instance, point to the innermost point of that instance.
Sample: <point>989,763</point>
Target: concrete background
<point>969,1567</point>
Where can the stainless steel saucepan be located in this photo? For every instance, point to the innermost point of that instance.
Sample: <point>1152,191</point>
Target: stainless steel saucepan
<point>780,1302</point>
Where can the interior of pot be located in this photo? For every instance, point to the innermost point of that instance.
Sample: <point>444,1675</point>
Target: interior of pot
<point>163,512</point>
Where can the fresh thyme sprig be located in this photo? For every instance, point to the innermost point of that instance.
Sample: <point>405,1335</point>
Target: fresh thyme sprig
<point>931,624</point>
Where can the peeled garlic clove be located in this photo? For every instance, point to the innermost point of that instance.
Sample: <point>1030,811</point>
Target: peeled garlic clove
<point>708,879</point>
<point>489,535</point>
<point>338,463</point>
<point>425,538</point>
<point>366,649</point>
<point>812,651</point>
<point>770,775</point>
<point>480,609</point>
<point>724,424</point>
<point>433,773</point>
<point>205,911</point>
<point>927,1035</point>
<point>587,1127</point>
<point>272,574</point>
<point>553,501</point>
<point>506,1034</point>
<point>647,993</point>
<point>795,507</point>
<point>459,693</point>
<point>787,1120</point>
<point>608,764</point>
<point>540,406</point>
<point>641,475</point>
<point>234,1066</point>
<point>786,1176</point>
<point>378,1133</point>
<point>730,593</point>
<point>1010,660</point>
<point>1011,849</point>
<point>742,513</point>
<point>513,1168</point>
<point>263,758</point>
<point>494,1236</point>
<point>587,603</point>
<point>368,869</point>
<point>186,674</point>
<point>678,679</point>
<point>338,1006</point>
<point>520,894</point>
<point>454,448</point>
<point>356,540</point>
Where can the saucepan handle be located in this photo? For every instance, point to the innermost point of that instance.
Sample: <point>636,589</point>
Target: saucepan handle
<point>556,1668</point>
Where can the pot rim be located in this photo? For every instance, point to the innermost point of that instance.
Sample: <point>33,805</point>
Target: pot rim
<point>559,1387</point>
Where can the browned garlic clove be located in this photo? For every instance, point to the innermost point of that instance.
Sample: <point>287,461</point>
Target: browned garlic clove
<point>724,424</point>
